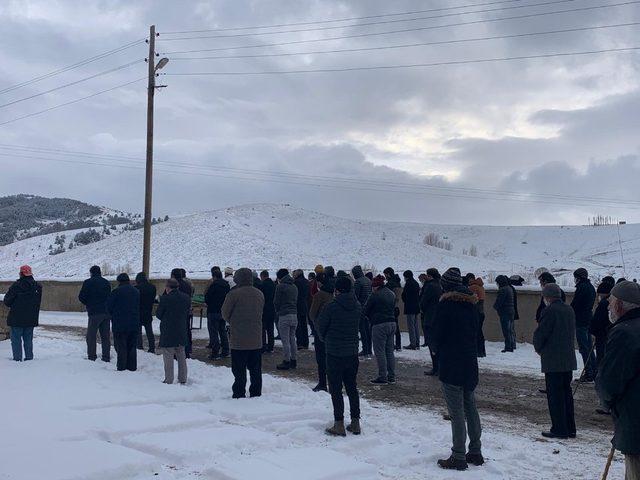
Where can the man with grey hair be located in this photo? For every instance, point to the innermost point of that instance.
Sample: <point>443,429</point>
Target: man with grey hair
<point>618,380</point>
<point>553,341</point>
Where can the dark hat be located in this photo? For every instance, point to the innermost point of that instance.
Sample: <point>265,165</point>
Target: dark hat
<point>552,290</point>
<point>343,285</point>
<point>433,273</point>
<point>95,270</point>
<point>329,271</point>
<point>123,278</point>
<point>604,288</point>
<point>451,278</point>
<point>141,277</point>
<point>608,279</point>
<point>280,274</point>
<point>581,273</point>
<point>547,277</point>
<point>627,292</point>
<point>377,281</point>
<point>172,283</point>
<point>407,274</point>
<point>389,271</point>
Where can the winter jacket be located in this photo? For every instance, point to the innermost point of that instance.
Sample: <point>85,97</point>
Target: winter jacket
<point>504,298</point>
<point>338,325</point>
<point>268,289</point>
<point>600,324</point>
<point>542,306</point>
<point>302,285</point>
<point>173,313</point>
<point>582,303</point>
<point>23,298</point>
<point>124,307</point>
<point>361,286</point>
<point>320,300</point>
<point>411,297</point>
<point>148,294</point>
<point>455,338</point>
<point>554,338</point>
<point>285,299</point>
<point>242,308</point>
<point>380,306</point>
<point>431,293</point>
<point>215,295</point>
<point>94,294</point>
<point>618,381</point>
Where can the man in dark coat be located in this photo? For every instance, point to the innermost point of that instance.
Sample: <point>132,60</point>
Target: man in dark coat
<point>582,304</point>
<point>148,294</point>
<point>380,311</point>
<point>93,295</point>
<point>506,311</point>
<point>123,305</point>
<point>322,298</point>
<point>618,380</point>
<point>214,298</point>
<point>429,300</point>
<point>455,331</point>
<point>553,341</point>
<point>600,324</point>
<point>302,330</point>
<point>23,299</point>
<point>338,327</point>
<point>185,287</point>
<point>268,289</point>
<point>411,301</point>
<point>362,291</point>
<point>285,302</point>
<point>515,281</point>
<point>393,283</point>
<point>173,313</point>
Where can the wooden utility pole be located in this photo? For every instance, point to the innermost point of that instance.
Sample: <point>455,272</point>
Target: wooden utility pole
<point>148,184</point>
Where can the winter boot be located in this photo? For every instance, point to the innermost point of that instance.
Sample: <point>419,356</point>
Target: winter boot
<point>284,365</point>
<point>453,464</point>
<point>293,364</point>
<point>475,459</point>
<point>379,381</point>
<point>354,427</point>
<point>337,430</point>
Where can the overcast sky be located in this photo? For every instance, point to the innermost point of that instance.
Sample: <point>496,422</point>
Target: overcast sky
<point>427,144</point>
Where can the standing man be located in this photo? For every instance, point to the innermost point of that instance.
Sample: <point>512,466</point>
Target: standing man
<point>506,311</point>
<point>411,301</point>
<point>147,299</point>
<point>380,311</point>
<point>302,330</point>
<point>23,299</point>
<point>337,327</point>
<point>322,298</point>
<point>93,295</point>
<point>285,302</point>
<point>214,298</point>
<point>362,291</point>
<point>476,285</point>
<point>456,327</point>
<point>124,307</point>
<point>393,283</point>
<point>553,341</point>
<point>429,300</point>
<point>173,313</point>
<point>268,312</point>
<point>243,310</point>
<point>582,304</point>
<point>618,380</point>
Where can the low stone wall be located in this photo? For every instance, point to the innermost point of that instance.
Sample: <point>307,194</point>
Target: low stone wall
<point>63,296</point>
<point>4,329</point>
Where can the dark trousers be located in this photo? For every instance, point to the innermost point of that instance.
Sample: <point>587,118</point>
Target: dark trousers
<point>425,328</point>
<point>398,339</point>
<point>189,346</point>
<point>584,346</point>
<point>302,330</point>
<point>560,400</point>
<point>151,339</point>
<point>321,360</point>
<point>343,371</point>
<point>506,322</point>
<point>22,336</point>
<point>434,360</point>
<point>482,352</point>
<point>125,343</point>
<point>365,335</point>
<point>99,322</point>
<point>601,343</point>
<point>267,333</point>
<point>217,333</point>
<point>241,361</point>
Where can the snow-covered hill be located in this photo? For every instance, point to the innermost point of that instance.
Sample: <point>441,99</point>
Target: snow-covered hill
<point>272,236</point>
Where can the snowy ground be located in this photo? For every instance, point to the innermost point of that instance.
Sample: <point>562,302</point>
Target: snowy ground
<point>68,418</point>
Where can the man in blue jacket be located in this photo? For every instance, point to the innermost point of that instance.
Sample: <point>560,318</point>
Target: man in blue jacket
<point>93,295</point>
<point>124,307</point>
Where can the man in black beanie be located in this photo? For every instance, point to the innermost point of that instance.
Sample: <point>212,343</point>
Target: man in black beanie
<point>124,307</point>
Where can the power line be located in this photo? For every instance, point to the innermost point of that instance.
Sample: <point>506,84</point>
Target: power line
<point>408,45</point>
<point>71,102</point>
<point>81,63</point>
<point>413,65</point>
<point>367,24</point>
<point>405,30</point>
<point>320,22</point>
<point>106,72</point>
<point>484,193</point>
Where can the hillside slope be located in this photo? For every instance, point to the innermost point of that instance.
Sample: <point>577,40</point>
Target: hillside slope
<point>273,236</point>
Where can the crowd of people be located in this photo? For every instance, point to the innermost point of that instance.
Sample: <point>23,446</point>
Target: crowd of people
<point>356,315</point>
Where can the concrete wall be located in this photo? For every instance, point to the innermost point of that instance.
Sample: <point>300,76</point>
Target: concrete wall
<point>63,296</point>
